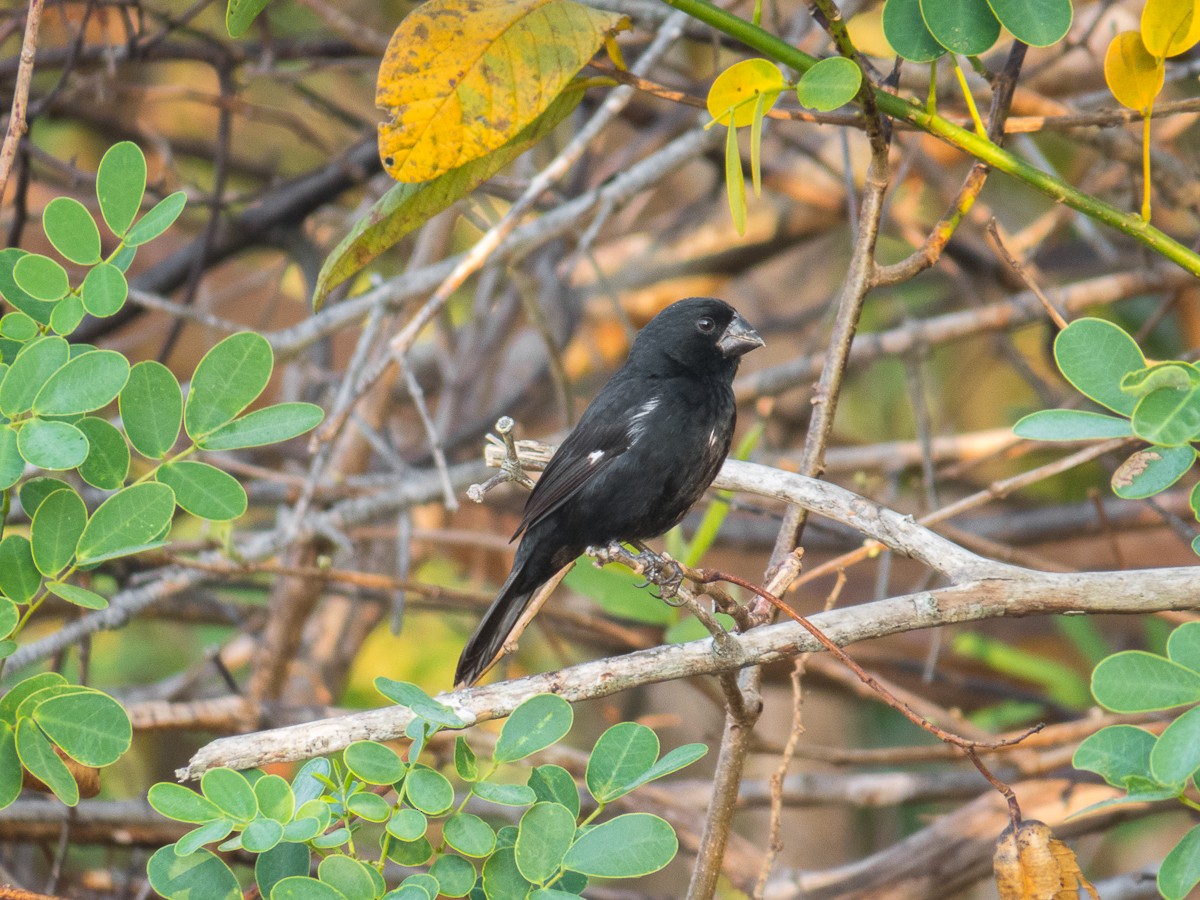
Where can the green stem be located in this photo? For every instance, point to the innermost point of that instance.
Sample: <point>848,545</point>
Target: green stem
<point>997,157</point>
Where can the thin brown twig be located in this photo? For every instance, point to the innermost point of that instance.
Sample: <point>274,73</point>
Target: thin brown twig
<point>17,125</point>
<point>1017,266</point>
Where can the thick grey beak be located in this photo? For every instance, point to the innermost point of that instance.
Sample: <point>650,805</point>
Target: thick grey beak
<point>739,338</point>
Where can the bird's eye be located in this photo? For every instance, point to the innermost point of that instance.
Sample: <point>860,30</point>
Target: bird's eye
<point>706,325</point>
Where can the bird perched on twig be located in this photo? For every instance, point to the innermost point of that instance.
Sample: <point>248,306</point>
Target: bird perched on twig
<point>643,452</point>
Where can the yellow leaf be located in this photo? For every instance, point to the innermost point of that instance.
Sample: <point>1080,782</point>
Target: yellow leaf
<point>1133,75</point>
<point>738,87</point>
<point>1170,27</point>
<point>866,33</point>
<point>463,77</point>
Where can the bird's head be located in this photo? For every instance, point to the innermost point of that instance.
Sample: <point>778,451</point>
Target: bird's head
<point>699,334</point>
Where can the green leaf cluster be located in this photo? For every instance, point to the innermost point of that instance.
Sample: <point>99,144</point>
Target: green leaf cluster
<point>1149,768</point>
<point>374,805</point>
<point>1158,402</point>
<point>925,30</point>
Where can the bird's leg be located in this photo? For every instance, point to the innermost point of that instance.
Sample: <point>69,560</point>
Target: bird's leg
<point>660,570</point>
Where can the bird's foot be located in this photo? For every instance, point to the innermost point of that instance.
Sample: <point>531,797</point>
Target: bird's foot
<point>613,551</point>
<point>661,571</point>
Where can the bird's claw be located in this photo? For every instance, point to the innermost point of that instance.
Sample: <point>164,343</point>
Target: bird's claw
<point>661,571</point>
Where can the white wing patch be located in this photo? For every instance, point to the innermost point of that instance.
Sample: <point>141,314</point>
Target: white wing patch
<point>712,438</point>
<point>637,422</point>
<point>595,456</point>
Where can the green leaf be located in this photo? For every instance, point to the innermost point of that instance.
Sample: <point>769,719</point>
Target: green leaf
<point>12,465</point>
<point>412,697</point>
<point>10,766</point>
<point>55,531</point>
<point>502,878</point>
<point>536,724</point>
<point>504,794</point>
<point>231,792</point>
<point>18,326</point>
<point>410,853</point>
<point>107,462</point>
<point>673,761</point>
<point>182,804</point>
<point>465,761</point>
<point>374,763</point>
<point>19,576</point>
<point>36,490</point>
<point>428,790</point>
<point>33,367</point>
<point>347,875</point>
<point>622,755</point>
<point>269,425</point>
<point>41,277</point>
<point>120,184</point>
<point>160,217</point>
<point>104,290</point>
<point>405,206</point>
<point>23,690</point>
<point>469,835</point>
<point>905,31</point>
<point>151,407</point>
<point>204,490</point>
<point>554,784</point>
<point>1095,355</point>
<point>86,383</point>
<point>72,230</point>
<point>1176,754</point>
<point>408,825</point>
<point>1038,23</point>
<point>261,835</point>
<point>73,593</point>
<point>37,310</point>
<point>456,876</point>
<point>628,846</point>
<point>67,315</point>
<point>1172,374</point>
<point>307,784</point>
<point>281,861</point>
<point>301,887</point>
<point>1070,425</point>
<point>369,806</point>
<point>1180,870</point>
<point>38,756</point>
<point>1168,417</point>
<point>208,833</point>
<point>1183,645</point>
<point>52,445</point>
<point>962,26</point>
<point>735,181</point>
<point>615,590</point>
<point>1136,681</point>
<point>126,521</point>
<point>197,876</point>
<point>1151,471</point>
<point>543,838</point>
<point>275,799</point>
<point>9,616</point>
<point>227,380</point>
<point>239,16</point>
<point>831,83</point>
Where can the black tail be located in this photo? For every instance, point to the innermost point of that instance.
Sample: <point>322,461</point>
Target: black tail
<point>495,627</point>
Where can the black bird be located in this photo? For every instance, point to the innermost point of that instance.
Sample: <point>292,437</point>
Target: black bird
<point>643,452</point>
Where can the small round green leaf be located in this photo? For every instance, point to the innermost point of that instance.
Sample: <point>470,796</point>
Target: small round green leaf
<point>1176,754</point>
<point>281,861</point>
<point>227,380</point>
<point>41,277</point>
<point>86,383</point>
<point>1180,869</point>
<point>182,804</point>
<point>231,793</point>
<point>38,756</point>
<point>275,798</point>
<point>628,846</point>
<point>36,490</point>
<point>269,425</point>
<point>120,183</point>
<point>151,407</point>
<point>72,230</point>
<point>107,462</point>
<point>546,832</point>
<point>968,27</point>
<point>19,576</point>
<point>554,784</point>
<point>73,593</point>
<point>1168,417</point>
<point>12,464</point>
<point>429,790</point>
<point>9,616</point>
<point>408,825</point>
<point>456,876</point>
<point>1070,425</point>
<point>469,835</point>
<point>1183,645</point>
<point>1095,355</point>
<point>369,806</point>
<point>1038,23</point>
<point>18,326</point>
<point>37,310</point>
<point>1151,471</point>
<point>208,833</point>
<point>536,724</point>
<point>55,531</point>
<point>348,875</point>
<point>1116,753</point>
<point>52,445</point>
<point>1136,681</point>
<point>204,490</point>
<point>374,763</point>
<point>410,853</point>
<point>466,764</point>
<point>831,83</point>
<point>104,290</point>
<point>261,835</point>
<point>126,522</point>
<point>906,32</point>
<point>16,695</point>
<point>504,794</point>
<point>67,315</point>
<point>624,753</point>
<point>301,887</point>
<point>33,367</point>
<point>91,727</point>
<point>197,876</point>
<point>502,878</point>
<point>412,697</point>
<point>160,217</point>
